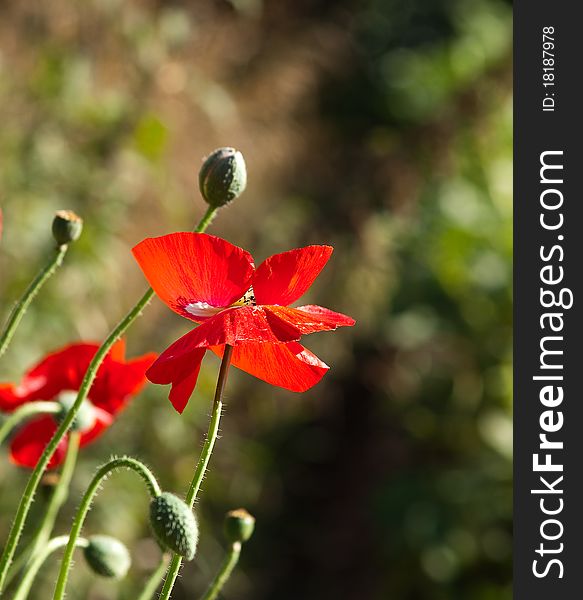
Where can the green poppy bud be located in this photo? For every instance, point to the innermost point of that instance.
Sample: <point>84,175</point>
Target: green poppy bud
<point>222,177</point>
<point>107,556</point>
<point>174,525</point>
<point>85,417</point>
<point>238,526</point>
<point>67,227</point>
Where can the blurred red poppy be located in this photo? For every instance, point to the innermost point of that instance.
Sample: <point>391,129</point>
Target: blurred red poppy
<point>58,378</point>
<point>214,283</point>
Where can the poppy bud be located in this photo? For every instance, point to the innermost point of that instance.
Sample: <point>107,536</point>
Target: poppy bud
<point>238,525</point>
<point>67,227</point>
<point>174,524</point>
<point>222,177</point>
<point>107,556</point>
<point>85,417</point>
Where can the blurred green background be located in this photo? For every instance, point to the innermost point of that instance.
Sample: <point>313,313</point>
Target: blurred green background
<point>381,127</point>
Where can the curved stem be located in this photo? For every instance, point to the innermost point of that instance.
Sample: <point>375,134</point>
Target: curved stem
<point>102,473</point>
<point>203,461</point>
<point>37,563</point>
<point>90,374</point>
<point>34,480</point>
<point>224,573</point>
<point>30,292</point>
<point>59,495</point>
<point>155,579</point>
<point>24,412</point>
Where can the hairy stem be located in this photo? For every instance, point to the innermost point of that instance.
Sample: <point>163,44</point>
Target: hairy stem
<point>102,473</point>
<point>206,220</point>
<point>30,409</point>
<point>31,291</point>
<point>37,563</point>
<point>90,374</point>
<point>224,573</point>
<point>155,579</point>
<point>35,477</point>
<point>59,495</point>
<point>202,464</point>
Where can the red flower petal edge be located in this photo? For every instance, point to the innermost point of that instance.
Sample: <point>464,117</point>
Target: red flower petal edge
<point>283,278</point>
<point>290,366</point>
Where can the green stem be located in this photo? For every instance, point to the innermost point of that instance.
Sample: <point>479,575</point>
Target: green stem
<point>30,292</point>
<point>224,573</point>
<point>102,473</point>
<point>90,374</point>
<point>203,461</point>
<point>34,480</point>
<point>58,498</point>
<point>59,495</point>
<point>37,563</point>
<point>24,412</point>
<point>18,563</point>
<point>155,579</point>
<point>206,220</point>
<point>213,430</point>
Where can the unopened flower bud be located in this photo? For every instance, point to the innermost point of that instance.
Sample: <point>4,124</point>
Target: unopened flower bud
<point>84,419</point>
<point>239,525</point>
<point>67,227</point>
<point>107,556</point>
<point>174,524</point>
<point>222,177</point>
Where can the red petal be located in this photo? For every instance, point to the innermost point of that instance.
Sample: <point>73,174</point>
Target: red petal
<point>181,391</point>
<point>102,421</point>
<point>61,370</point>
<point>186,268</point>
<point>118,350</point>
<point>327,315</point>
<point>64,370</point>
<point>310,321</point>
<point>242,325</point>
<point>9,400</point>
<point>116,382</point>
<point>289,366</point>
<point>29,443</point>
<point>283,278</point>
<point>179,365</point>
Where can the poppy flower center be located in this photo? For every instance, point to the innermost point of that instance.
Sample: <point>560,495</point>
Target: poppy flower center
<point>204,309</point>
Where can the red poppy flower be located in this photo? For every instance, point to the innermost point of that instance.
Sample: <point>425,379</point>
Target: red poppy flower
<point>215,284</point>
<point>58,377</point>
